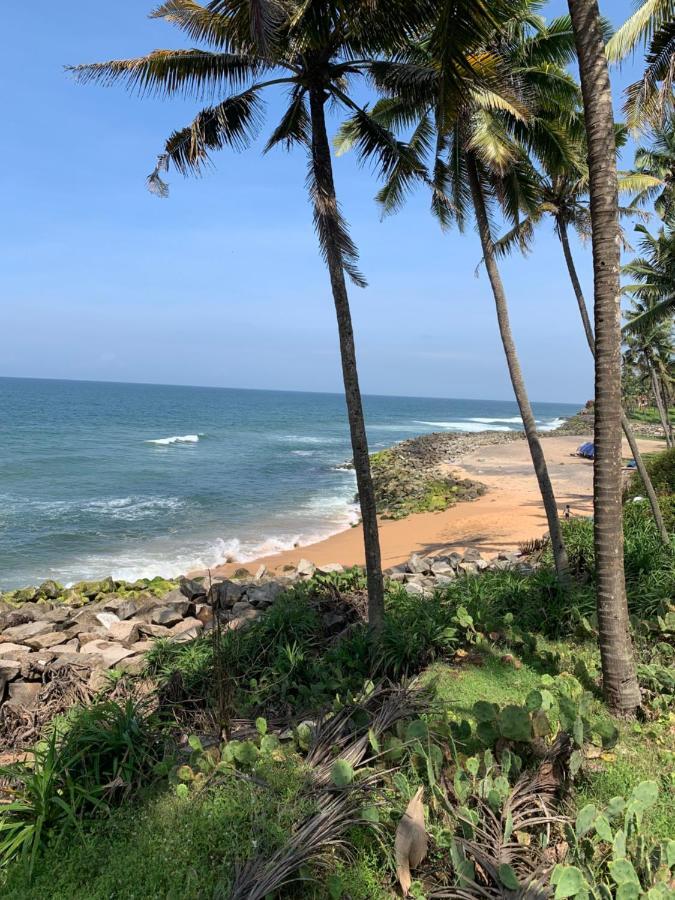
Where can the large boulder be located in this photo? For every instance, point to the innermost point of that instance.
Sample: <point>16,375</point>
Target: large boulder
<point>192,589</point>
<point>20,633</point>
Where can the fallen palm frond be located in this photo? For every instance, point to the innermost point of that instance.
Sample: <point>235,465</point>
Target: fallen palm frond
<point>384,706</point>
<point>504,858</point>
<point>410,846</point>
<point>324,831</point>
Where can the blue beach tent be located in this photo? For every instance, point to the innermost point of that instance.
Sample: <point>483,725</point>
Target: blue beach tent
<point>587,450</point>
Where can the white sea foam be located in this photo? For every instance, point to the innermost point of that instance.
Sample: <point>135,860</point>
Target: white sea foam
<point>303,452</point>
<point>466,426</point>
<point>552,424</point>
<point>177,439</point>
<point>307,439</point>
<point>514,419</point>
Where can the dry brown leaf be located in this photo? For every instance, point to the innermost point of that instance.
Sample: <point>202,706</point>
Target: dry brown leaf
<point>410,846</point>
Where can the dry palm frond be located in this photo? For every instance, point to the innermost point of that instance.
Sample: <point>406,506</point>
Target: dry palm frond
<point>410,846</point>
<point>384,706</point>
<point>530,807</point>
<point>321,832</point>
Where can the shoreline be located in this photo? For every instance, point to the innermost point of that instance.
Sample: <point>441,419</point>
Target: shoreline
<point>509,513</point>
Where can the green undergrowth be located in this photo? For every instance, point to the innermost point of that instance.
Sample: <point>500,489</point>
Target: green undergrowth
<point>123,806</point>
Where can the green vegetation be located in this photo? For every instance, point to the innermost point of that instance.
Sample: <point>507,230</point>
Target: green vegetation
<point>650,415</point>
<point>117,804</point>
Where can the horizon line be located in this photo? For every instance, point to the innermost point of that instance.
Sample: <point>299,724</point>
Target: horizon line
<point>215,387</point>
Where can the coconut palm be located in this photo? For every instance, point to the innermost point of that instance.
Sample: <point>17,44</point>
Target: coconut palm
<point>317,50</point>
<point>620,682</point>
<point>563,197</point>
<point>470,147</point>
<point>653,177</point>
<point>650,99</point>
<point>648,332</point>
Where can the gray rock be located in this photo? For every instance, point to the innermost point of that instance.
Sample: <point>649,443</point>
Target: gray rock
<point>306,568</point>
<point>107,653</point>
<point>155,631</point>
<point>51,639</point>
<point>21,633</point>
<point>126,607</point>
<point>398,576</point>
<point>260,573</point>
<point>241,607</point>
<point>106,619</point>
<point>417,590</point>
<point>265,594</point>
<point>183,607</point>
<point>329,568</point>
<point>442,567</point>
<point>126,633</point>
<point>192,589</point>
<point>23,693</point>
<point>187,630</point>
<point>9,670</point>
<point>12,651</point>
<point>57,615</point>
<point>224,594</point>
<point>443,580</point>
<point>50,589</point>
<point>417,565</point>
<point>132,665</point>
<point>166,616</point>
<point>471,555</point>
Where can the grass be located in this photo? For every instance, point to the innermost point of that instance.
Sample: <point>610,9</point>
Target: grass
<point>650,415</point>
<point>162,847</point>
<point>488,638</point>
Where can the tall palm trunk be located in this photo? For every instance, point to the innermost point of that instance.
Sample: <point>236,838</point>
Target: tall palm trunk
<point>618,664</point>
<point>326,211</point>
<point>661,405</point>
<point>625,424</point>
<point>536,452</point>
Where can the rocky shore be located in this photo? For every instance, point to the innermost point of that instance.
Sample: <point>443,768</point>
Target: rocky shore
<point>52,636</point>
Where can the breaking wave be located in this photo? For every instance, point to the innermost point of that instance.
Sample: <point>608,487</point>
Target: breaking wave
<point>177,439</point>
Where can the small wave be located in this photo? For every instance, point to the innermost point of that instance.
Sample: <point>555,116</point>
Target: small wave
<point>466,426</point>
<point>552,424</point>
<point>303,452</point>
<point>514,419</point>
<point>307,439</point>
<point>177,439</point>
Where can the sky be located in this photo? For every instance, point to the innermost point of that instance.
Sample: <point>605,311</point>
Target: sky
<point>222,283</point>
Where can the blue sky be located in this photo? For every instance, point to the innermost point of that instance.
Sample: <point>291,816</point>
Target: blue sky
<point>222,283</point>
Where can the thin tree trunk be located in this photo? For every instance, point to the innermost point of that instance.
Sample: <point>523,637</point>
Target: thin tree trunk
<point>658,399</point>
<point>625,424</point>
<point>536,452</point>
<point>326,203</point>
<point>620,682</point>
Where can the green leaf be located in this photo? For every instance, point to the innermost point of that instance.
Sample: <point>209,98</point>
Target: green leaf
<point>578,732</point>
<point>246,753</point>
<point>534,701</point>
<point>472,765</point>
<point>585,819</point>
<point>393,749</point>
<point>603,829</point>
<point>540,724</point>
<point>622,872</point>
<point>182,791</point>
<point>569,881</point>
<point>485,712</point>
<point>646,794</point>
<point>417,730</point>
<point>619,845</point>
<point>335,888</point>
<point>372,738</point>
<point>462,785</point>
<point>195,743</point>
<point>185,773</point>
<point>487,733</point>
<point>261,725</point>
<point>615,807</point>
<point>304,736</point>
<point>514,723</point>
<point>370,814</point>
<point>670,854</point>
<point>269,743</point>
<point>342,773</point>
<point>576,760</point>
<point>628,891</point>
<point>508,877</point>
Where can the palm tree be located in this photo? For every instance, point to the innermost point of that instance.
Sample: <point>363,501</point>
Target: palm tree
<point>478,158</point>
<point>650,99</point>
<point>648,331</point>
<point>620,682</point>
<point>316,50</point>
<point>653,175</point>
<point>563,197</point>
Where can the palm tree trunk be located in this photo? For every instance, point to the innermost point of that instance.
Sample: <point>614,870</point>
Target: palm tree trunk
<point>618,664</point>
<point>625,424</point>
<point>326,199</point>
<point>658,399</point>
<point>536,452</point>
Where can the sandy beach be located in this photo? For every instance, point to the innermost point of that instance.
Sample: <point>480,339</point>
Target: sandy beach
<point>510,512</point>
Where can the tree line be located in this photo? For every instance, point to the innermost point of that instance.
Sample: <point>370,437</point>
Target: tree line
<point>475,103</point>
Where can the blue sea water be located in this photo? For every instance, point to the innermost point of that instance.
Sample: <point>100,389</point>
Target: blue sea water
<point>138,480</point>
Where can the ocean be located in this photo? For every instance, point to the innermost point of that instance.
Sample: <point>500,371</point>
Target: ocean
<point>138,480</point>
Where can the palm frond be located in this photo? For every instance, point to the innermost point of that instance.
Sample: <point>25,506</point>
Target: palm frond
<point>294,127</point>
<point>643,322</point>
<point>233,123</point>
<point>649,101</point>
<point>198,22</point>
<point>332,230</point>
<point>165,73</point>
<point>256,21</point>
<point>639,27</point>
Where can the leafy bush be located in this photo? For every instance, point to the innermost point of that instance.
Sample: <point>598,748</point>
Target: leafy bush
<point>89,762</point>
<point>661,468</point>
